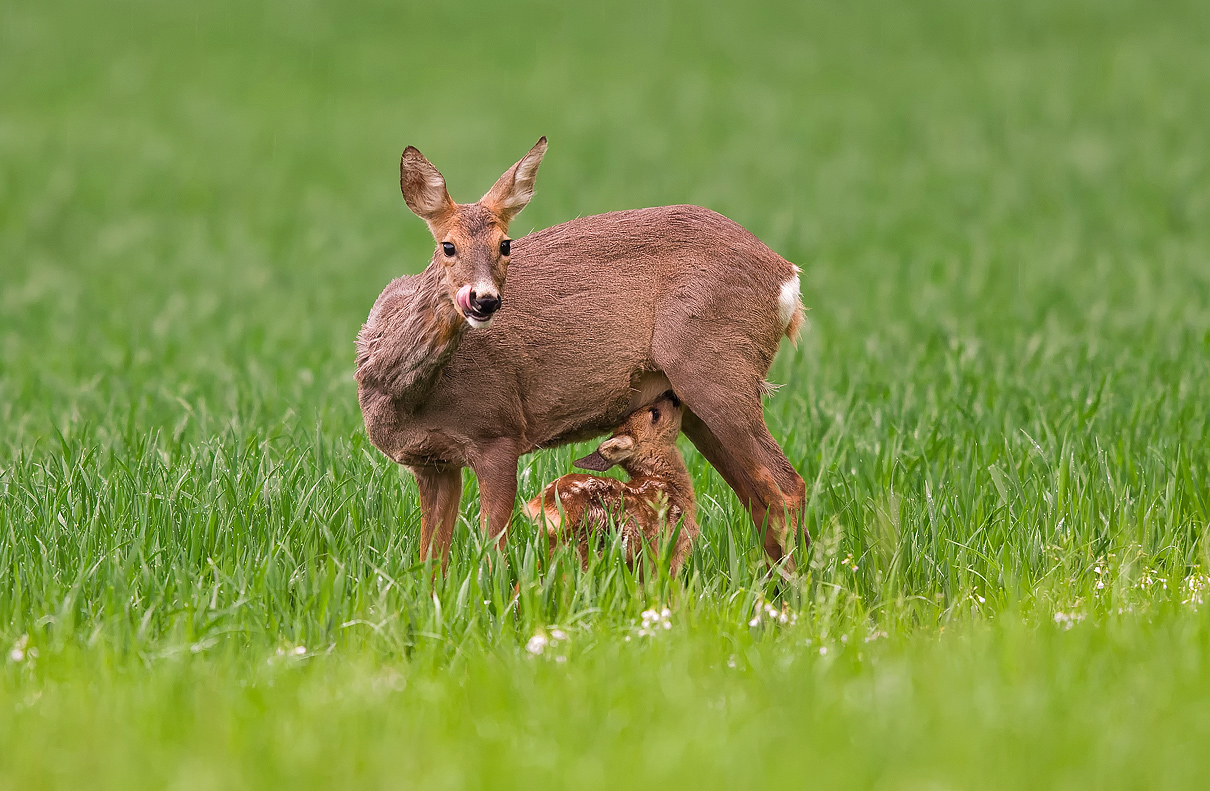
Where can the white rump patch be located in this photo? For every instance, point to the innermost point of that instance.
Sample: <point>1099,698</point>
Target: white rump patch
<point>787,300</point>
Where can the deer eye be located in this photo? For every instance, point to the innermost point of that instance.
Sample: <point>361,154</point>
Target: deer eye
<point>655,416</point>
<point>448,248</point>
<point>506,247</point>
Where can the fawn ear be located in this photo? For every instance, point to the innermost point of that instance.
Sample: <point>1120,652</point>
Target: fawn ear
<point>607,454</point>
<point>509,195</point>
<point>593,461</point>
<point>423,187</point>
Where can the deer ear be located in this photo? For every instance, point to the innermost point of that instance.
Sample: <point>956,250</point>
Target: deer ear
<point>593,461</point>
<point>607,454</point>
<point>423,187</point>
<point>509,195</point>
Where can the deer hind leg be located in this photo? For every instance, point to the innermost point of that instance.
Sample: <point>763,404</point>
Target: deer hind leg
<point>440,491</point>
<point>727,426</point>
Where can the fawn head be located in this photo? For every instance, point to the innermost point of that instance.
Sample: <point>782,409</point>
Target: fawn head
<point>650,430</point>
<point>473,246</point>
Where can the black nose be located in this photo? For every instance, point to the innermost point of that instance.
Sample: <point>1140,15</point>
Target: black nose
<point>485,305</point>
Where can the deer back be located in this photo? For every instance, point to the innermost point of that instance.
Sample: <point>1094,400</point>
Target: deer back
<point>573,340</point>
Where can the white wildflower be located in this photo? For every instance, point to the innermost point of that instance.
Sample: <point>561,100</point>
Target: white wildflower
<point>1066,620</point>
<point>558,634</point>
<point>18,653</point>
<point>300,650</point>
<point>653,620</point>
<point>762,610</point>
<point>537,644</point>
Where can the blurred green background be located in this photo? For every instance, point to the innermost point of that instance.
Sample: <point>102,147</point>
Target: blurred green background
<point>199,202</point>
<point>208,579</point>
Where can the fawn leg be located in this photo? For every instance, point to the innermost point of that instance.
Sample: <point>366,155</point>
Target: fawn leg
<point>440,491</point>
<point>496,469</point>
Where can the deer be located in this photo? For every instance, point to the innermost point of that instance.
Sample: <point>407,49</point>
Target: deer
<point>501,347</point>
<point>657,503</point>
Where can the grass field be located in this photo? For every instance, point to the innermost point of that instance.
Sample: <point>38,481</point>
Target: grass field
<point>210,579</point>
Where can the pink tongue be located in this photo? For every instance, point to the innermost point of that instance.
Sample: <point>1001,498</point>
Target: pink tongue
<point>463,298</point>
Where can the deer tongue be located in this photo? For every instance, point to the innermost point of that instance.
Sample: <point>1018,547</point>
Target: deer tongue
<point>463,299</point>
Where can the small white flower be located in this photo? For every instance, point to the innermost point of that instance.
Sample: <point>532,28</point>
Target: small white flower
<point>537,644</point>
<point>731,661</point>
<point>667,625</point>
<point>665,613</point>
<point>755,621</point>
<point>823,650</point>
<point>1100,584</point>
<point>981,600</point>
<point>558,634</point>
<point>300,650</point>
<point>18,652</point>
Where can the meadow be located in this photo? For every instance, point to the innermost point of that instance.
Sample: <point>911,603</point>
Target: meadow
<point>210,579</point>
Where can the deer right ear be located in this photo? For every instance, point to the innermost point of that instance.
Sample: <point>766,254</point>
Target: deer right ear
<point>423,187</point>
<point>593,461</point>
<point>512,191</point>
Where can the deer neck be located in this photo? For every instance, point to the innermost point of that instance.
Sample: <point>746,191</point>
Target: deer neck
<point>409,338</point>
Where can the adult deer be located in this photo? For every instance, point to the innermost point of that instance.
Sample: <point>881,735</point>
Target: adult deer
<point>460,366</point>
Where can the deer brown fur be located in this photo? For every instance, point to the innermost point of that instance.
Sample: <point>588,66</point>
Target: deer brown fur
<point>498,349</point>
<point>654,506</point>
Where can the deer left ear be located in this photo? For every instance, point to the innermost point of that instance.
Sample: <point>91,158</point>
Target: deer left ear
<point>510,194</point>
<point>607,454</point>
<point>423,188</point>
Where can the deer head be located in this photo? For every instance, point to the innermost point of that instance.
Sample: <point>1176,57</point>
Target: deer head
<point>473,246</point>
<point>648,431</point>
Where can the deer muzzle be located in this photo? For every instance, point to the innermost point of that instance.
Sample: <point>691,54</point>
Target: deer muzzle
<point>478,307</point>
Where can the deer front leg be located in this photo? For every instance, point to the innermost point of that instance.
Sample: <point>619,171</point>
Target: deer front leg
<point>496,469</point>
<point>440,491</point>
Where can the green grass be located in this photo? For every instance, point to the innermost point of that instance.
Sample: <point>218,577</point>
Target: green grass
<point>999,403</point>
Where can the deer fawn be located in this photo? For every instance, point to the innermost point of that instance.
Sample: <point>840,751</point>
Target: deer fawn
<point>500,347</point>
<point>656,503</point>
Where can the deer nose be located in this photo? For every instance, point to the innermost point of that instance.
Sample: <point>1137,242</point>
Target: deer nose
<point>484,304</point>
